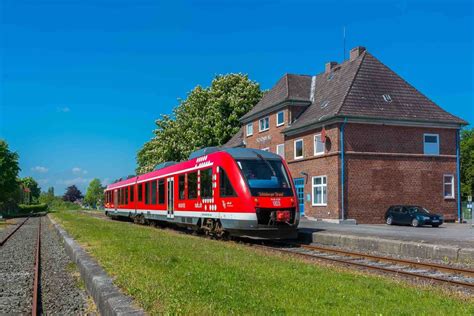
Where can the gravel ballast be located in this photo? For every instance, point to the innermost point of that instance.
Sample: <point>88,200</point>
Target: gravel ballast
<point>61,292</point>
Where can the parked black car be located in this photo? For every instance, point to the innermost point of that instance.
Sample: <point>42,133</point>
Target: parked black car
<point>412,215</point>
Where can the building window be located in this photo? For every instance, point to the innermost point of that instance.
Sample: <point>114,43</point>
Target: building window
<point>266,149</point>
<point>320,191</point>
<point>318,145</point>
<point>225,187</point>
<point>280,118</point>
<point>263,124</point>
<point>249,129</point>
<point>181,182</point>
<point>192,185</point>
<point>280,150</point>
<point>448,186</point>
<point>298,149</point>
<point>206,183</point>
<point>431,144</point>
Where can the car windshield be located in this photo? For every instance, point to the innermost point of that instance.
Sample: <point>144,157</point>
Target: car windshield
<point>417,209</point>
<point>265,177</point>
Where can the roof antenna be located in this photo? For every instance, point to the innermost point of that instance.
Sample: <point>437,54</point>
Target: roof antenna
<point>344,43</point>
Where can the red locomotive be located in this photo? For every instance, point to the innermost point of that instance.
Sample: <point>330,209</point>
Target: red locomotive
<point>236,191</point>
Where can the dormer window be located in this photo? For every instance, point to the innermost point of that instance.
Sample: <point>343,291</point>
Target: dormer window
<point>387,98</point>
<point>263,124</point>
<point>280,118</point>
<point>324,104</point>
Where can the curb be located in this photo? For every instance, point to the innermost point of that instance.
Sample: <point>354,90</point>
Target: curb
<point>392,247</point>
<point>107,297</point>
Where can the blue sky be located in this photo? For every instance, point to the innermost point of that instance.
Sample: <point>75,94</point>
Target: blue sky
<point>83,81</point>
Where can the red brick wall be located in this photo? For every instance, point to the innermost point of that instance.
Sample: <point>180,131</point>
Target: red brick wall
<point>395,139</point>
<point>373,183</point>
<point>321,165</point>
<point>269,138</point>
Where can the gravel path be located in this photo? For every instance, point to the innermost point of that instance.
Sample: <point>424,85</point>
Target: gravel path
<point>61,289</point>
<point>17,269</point>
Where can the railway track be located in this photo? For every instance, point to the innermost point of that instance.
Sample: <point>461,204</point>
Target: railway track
<point>454,276</point>
<point>436,273</point>
<point>36,290</point>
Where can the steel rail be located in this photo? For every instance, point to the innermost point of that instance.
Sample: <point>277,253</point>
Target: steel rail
<point>368,266</point>
<point>36,285</point>
<point>440,267</point>
<point>4,240</point>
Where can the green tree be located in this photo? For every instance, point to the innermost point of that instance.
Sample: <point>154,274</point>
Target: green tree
<point>95,193</point>
<point>207,117</point>
<point>9,170</point>
<point>47,197</point>
<point>33,188</point>
<point>467,162</point>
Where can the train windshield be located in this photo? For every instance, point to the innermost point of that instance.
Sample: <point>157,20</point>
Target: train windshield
<point>266,177</point>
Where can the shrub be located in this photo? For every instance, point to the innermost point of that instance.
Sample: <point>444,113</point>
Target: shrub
<point>35,208</point>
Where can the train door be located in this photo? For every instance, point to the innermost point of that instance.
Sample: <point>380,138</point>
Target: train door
<point>170,200</point>
<point>299,186</point>
<point>115,199</point>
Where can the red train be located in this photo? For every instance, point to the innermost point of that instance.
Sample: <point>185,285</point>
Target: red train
<point>235,191</point>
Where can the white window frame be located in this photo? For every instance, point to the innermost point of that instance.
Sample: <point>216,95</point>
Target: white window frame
<point>322,185</point>
<point>316,153</point>
<point>251,127</point>
<point>266,149</point>
<point>282,154</point>
<point>302,148</point>
<point>283,121</point>
<point>424,144</point>
<point>447,183</point>
<point>260,125</point>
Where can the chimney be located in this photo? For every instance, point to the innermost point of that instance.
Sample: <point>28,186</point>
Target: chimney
<point>356,52</point>
<point>330,66</point>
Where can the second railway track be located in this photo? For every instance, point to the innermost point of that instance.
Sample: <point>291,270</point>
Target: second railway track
<point>454,276</point>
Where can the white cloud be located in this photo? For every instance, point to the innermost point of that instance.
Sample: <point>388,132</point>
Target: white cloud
<point>39,169</point>
<point>77,170</point>
<point>76,181</point>
<point>64,109</point>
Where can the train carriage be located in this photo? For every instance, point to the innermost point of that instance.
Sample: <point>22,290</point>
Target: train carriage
<point>236,191</point>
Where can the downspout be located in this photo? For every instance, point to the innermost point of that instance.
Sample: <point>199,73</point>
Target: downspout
<point>458,174</point>
<point>341,137</point>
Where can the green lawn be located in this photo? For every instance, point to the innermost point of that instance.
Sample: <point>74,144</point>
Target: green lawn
<point>175,273</point>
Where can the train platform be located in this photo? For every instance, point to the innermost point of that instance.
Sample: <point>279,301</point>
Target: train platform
<point>451,241</point>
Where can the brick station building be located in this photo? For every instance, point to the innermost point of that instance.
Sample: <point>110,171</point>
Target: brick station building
<point>358,138</point>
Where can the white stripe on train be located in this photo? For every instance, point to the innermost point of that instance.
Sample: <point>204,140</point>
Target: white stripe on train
<point>220,215</point>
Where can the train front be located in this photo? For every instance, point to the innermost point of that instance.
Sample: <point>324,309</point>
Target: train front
<point>270,195</point>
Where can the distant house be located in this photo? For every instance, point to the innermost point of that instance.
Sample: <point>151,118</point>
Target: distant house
<point>358,138</point>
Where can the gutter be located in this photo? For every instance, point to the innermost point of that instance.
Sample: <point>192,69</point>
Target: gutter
<point>342,167</point>
<point>458,174</point>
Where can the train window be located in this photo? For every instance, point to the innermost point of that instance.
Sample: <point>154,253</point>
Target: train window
<point>147,193</point>
<point>126,194</point>
<point>132,193</point>
<point>225,187</point>
<point>206,183</point>
<point>192,185</point>
<point>181,181</point>
<point>140,193</point>
<point>161,191</point>
<point>153,192</point>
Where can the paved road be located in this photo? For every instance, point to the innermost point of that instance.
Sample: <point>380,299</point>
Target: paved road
<point>460,235</point>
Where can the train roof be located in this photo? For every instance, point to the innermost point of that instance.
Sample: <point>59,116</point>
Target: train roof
<point>236,153</point>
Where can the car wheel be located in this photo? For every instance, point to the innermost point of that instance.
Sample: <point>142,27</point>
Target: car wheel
<point>435,225</point>
<point>389,220</point>
<point>415,223</point>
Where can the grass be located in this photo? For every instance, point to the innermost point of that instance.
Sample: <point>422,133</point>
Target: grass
<point>173,273</point>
